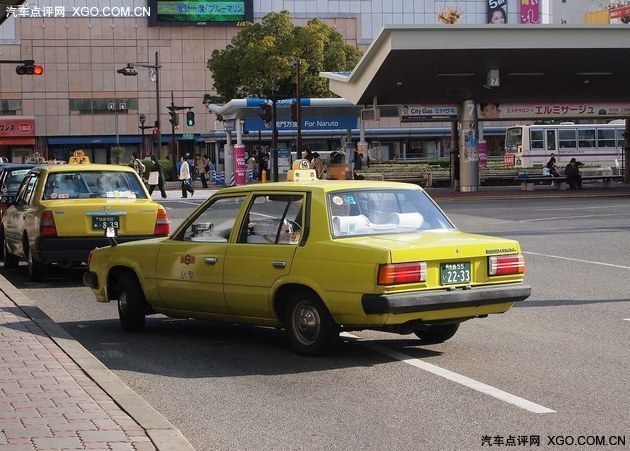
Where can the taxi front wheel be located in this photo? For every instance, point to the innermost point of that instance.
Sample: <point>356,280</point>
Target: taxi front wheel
<point>438,333</point>
<point>132,306</point>
<point>310,328</point>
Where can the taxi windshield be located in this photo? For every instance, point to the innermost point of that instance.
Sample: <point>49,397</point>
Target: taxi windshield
<point>390,211</point>
<point>93,184</point>
<point>13,180</point>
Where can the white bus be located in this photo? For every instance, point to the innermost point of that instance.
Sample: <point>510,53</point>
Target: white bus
<point>593,144</point>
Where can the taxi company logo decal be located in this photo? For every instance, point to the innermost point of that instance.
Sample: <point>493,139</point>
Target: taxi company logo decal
<point>187,259</point>
<point>505,250</point>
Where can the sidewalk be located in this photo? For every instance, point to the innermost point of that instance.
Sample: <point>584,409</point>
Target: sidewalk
<point>55,395</point>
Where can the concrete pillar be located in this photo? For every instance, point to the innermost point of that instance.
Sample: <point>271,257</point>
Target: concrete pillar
<point>468,141</point>
<point>228,159</point>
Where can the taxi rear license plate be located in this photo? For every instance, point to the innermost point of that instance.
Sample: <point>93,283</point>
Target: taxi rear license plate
<point>103,222</point>
<point>455,273</point>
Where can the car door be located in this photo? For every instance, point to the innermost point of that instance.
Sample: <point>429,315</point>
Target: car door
<point>190,265</point>
<point>263,252</point>
<point>22,216</point>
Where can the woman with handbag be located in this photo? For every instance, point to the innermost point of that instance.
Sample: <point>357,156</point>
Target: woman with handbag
<point>156,177</point>
<point>184,176</point>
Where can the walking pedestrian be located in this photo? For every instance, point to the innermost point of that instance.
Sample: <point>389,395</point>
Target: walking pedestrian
<point>156,177</point>
<point>184,176</point>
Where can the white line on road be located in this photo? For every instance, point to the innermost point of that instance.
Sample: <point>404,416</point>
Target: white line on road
<point>562,218</point>
<point>626,319</point>
<point>577,260</point>
<point>457,378</point>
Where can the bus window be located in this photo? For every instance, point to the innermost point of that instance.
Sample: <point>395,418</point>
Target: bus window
<point>566,139</point>
<point>536,139</point>
<point>513,139</point>
<point>551,140</point>
<point>620,139</point>
<point>586,138</point>
<point>605,137</point>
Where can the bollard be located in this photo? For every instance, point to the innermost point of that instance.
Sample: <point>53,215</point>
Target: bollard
<point>263,176</point>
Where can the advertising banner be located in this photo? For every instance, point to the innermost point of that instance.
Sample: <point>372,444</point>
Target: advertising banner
<point>482,153</point>
<point>16,130</point>
<point>530,11</point>
<point>560,110</point>
<point>240,165</point>
<point>422,113</point>
<point>497,12</point>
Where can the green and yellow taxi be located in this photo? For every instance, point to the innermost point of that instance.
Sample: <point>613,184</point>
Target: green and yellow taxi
<point>315,257</point>
<point>60,212</point>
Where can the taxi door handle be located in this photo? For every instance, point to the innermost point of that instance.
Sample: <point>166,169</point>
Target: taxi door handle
<point>279,264</point>
<point>210,260</point>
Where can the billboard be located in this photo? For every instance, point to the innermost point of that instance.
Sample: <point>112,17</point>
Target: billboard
<point>560,110</point>
<point>200,12</point>
<point>497,11</point>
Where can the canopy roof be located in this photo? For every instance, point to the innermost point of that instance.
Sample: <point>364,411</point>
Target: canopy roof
<point>448,64</point>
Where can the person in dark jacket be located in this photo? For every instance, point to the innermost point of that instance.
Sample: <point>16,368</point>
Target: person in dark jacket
<point>551,166</point>
<point>572,172</point>
<point>157,167</point>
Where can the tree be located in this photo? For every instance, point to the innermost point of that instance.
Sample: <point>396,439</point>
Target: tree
<point>258,61</point>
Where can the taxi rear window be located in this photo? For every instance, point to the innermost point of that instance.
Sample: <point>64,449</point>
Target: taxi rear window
<point>375,212</point>
<point>93,184</point>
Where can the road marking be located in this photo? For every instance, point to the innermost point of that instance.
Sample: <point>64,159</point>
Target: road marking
<point>626,319</point>
<point>558,218</point>
<point>577,260</point>
<point>457,378</point>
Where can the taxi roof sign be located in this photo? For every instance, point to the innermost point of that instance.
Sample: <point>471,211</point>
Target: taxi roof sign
<point>79,157</point>
<point>301,171</point>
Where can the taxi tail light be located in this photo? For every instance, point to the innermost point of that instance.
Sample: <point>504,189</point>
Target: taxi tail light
<point>47,226</point>
<point>89,260</point>
<point>399,273</point>
<point>503,265</point>
<point>162,224</point>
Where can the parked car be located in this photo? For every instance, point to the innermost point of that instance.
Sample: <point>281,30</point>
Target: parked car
<point>11,176</point>
<point>315,257</point>
<point>60,212</point>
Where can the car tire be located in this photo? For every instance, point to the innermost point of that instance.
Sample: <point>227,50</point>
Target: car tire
<point>309,325</point>
<point>36,270</point>
<point>132,305</point>
<point>437,333</point>
<point>11,261</point>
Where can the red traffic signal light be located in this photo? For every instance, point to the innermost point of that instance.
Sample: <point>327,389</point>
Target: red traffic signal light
<point>155,131</point>
<point>29,69</point>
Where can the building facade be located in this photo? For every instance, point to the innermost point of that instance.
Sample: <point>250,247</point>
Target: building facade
<point>83,101</point>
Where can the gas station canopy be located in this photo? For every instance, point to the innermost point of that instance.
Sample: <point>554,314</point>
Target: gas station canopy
<point>449,64</point>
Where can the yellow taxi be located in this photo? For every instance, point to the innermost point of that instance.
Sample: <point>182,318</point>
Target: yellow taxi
<point>60,212</point>
<point>315,257</point>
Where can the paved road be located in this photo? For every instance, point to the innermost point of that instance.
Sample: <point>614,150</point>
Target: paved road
<point>558,365</point>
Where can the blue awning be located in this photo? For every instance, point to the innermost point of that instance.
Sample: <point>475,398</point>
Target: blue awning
<point>105,140</point>
<point>92,140</point>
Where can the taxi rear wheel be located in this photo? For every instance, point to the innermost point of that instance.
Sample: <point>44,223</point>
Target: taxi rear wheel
<point>11,261</point>
<point>2,240</point>
<point>132,306</point>
<point>437,333</point>
<point>310,328</point>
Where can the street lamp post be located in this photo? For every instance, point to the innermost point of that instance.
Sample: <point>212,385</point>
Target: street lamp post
<point>154,75</point>
<point>143,127</point>
<point>298,109</point>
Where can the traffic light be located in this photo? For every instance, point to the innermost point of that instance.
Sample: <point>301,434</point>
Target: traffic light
<point>29,68</point>
<point>174,118</point>
<point>294,113</point>
<point>190,118</point>
<point>267,114</point>
<point>155,135</point>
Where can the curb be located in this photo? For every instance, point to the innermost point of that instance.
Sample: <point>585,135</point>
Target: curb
<point>163,434</point>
